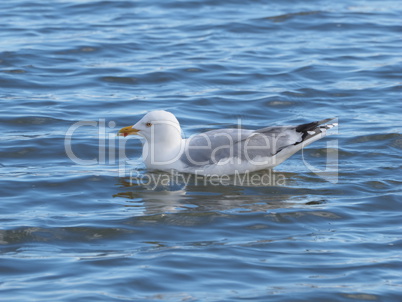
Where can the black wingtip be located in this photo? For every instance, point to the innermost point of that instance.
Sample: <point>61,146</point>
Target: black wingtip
<point>309,127</point>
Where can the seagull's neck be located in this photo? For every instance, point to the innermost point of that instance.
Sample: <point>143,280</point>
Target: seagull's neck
<point>163,152</point>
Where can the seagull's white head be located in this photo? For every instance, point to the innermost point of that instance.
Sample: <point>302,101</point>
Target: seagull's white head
<point>156,127</point>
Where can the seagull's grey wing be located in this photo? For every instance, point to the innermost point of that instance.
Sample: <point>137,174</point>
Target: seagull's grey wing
<point>269,141</point>
<point>218,145</point>
<point>213,146</point>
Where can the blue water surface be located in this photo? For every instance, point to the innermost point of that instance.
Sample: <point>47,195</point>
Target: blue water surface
<point>81,219</point>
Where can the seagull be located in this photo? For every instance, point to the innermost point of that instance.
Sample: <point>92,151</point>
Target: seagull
<point>222,151</point>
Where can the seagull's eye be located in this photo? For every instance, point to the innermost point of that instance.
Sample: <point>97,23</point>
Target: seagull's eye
<point>148,124</point>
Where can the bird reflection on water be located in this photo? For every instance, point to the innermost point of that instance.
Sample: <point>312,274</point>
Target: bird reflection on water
<point>163,193</point>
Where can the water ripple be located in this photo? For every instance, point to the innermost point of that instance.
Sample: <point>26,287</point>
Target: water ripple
<point>98,235</point>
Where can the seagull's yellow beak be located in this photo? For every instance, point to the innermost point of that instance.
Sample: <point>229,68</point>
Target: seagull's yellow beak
<point>127,131</point>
